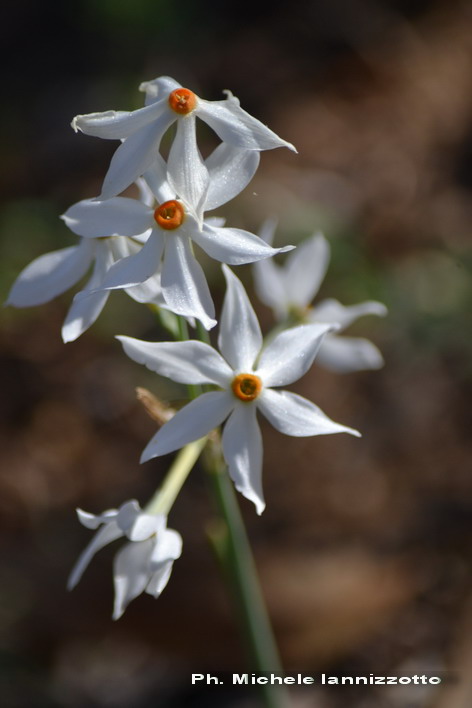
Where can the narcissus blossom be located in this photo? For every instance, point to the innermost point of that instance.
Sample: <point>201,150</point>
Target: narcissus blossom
<point>141,132</point>
<point>142,565</point>
<point>245,373</point>
<point>169,230</point>
<point>289,290</point>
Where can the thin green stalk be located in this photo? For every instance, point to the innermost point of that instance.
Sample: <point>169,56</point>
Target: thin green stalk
<point>202,333</point>
<point>234,552</point>
<point>164,497</point>
<point>193,390</point>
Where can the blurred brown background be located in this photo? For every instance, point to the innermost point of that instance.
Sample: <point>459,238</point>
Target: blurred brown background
<point>364,549</point>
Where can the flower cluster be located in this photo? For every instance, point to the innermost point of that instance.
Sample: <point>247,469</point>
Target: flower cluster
<point>144,246</point>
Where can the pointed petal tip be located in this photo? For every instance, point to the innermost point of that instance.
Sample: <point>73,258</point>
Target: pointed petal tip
<point>251,496</point>
<point>381,310</point>
<point>227,272</point>
<point>71,582</point>
<point>209,323</point>
<point>260,506</point>
<point>145,456</point>
<point>68,335</point>
<point>378,364</point>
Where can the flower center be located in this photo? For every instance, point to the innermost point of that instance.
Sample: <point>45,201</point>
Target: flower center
<point>182,101</point>
<point>246,387</point>
<point>169,215</point>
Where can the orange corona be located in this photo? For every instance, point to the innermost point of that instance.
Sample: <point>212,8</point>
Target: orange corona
<point>246,387</point>
<point>182,101</point>
<point>169,215</point>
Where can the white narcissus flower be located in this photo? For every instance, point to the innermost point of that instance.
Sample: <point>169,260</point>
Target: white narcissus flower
<point>53,273</point>
<point>289,289</point>
<point>170,230</point>
<point>142,565</point>
<point>245,372</point>
<point>141,132</point>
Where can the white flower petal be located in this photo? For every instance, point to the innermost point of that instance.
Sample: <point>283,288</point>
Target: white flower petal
<point>294,415</point>
<point>217,221</point>
<point>116,125</point>
<point>95,219</point>
<point>93,521</point>
<point>242,449</point>
<point>305,269</point>
<point>168,547</point>
<point>135,156</point>
<point>108,533</point>
<point>183,282</point>
<point>131,573</point>
<point>187,173</point>
<point>127,514</point>
<point>231,169</point>
<point>82,314</point>
<point>269,285</point>
<point>346,354</point>
<point>139,267</point>
<point>156,178</point>
<point>290,354</point>
<point>88,303</point>
<point>145,526</point>
<point>240,337</point>
<point>236,127</point>
<point>159,579</point>
<point>192,422</point>
<point>149,291</point>
<point>50,275</point>
<point>146,195</point>
<point>189,362</point>
<point>233,246</point>
<point>332,311</point>
<point>158,89</point>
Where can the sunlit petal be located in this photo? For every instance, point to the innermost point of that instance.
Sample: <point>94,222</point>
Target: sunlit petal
<point>183,281</point>
<point>290,354</point>
<point>192,422</point>
<point>95,219</point>
<point>240,337</point>
<point>236,127</point>
<point>190,362</point>
<point>294,415</point>
<point>242,449</point>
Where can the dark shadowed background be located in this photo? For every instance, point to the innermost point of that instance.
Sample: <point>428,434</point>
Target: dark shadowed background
<point>364,549</point>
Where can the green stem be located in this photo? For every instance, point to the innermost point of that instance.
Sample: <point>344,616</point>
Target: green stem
<point>164,497</point>
<point>193,390</point>
<point>202,333</point>
<point>233,550</point>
